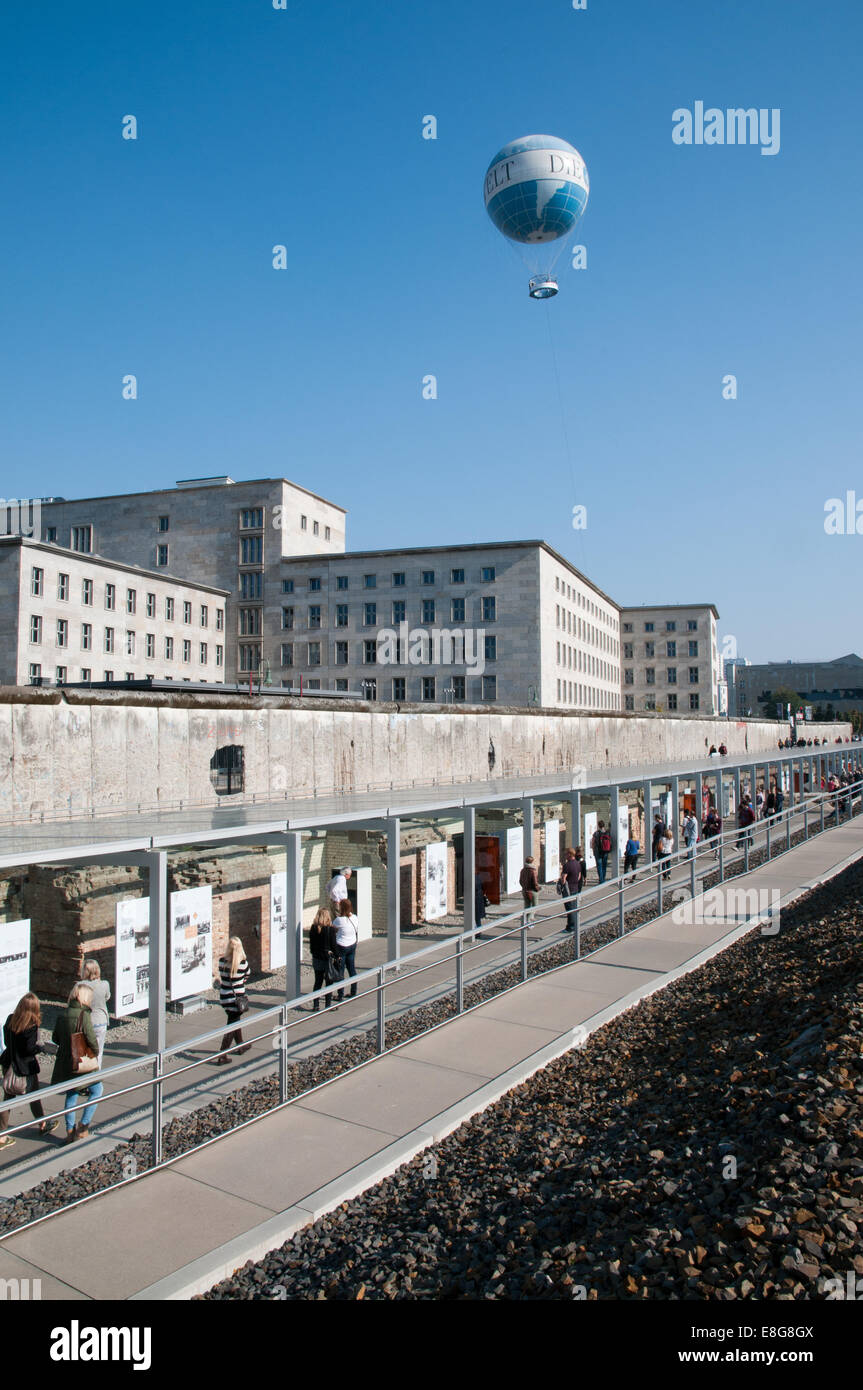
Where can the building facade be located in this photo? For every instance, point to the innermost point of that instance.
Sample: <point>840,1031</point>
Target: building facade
<point>838,683</point>
<point>670,661</point>
<point>68,617</point>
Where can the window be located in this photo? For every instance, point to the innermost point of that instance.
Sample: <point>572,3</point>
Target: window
<point>370,652</point>
<point>693,675</point>
<point>187,611</point>
<point>36,577</point>
<point>671,649</point>
<point>650,702</point>
<point>82,539</point>
<point>169,610</point>
<point>399,687</point>
<point>87,592</point>
<point>287,654</point>
<point>161,555</point>
<point>456,576</point>
<point>428,610</point>
<point>428,576</point>
<point>250,657</point>
<point>398,579</point>
<point>108,676</point>
<point>671,675</point>
<point>429,686</point>
<point>693,702</point>
<point>109,639</point>
<point>627,627</point>
<point>130,675</point>
<point>287,584</point>
<point>187,649</point>
<point>489,687</point>
<point>131,600</point>
<point>304,523</point>
<point>627,651</point>
<point>650,649</point>
<point>313,684</point>
<point>489,610</point>
<point>671,627</point>
<point>457,610</point>
<point>370,614</point>
<point>227,769</point>
<point>341,653</point>
<point>370,581</point>
<point>35,630</point>
<point>169,649</point>
<point>86,673</point>
<point>399,610</point>
<point>204,615</point>
<point>315,528</point>
<point>50,534</point>
<point>60,675</point>
<point>220,619</point>
<point>672,701</point>
<point>130,644</point>
<point>648,627</point>
<point>315,585</point>
<point>693,649</point>
<point>110,597</point>
<point>341,615</point>
<point>314,615</point>
<point>326,533</point>
<point>86,637</point>
<point>459,688</point>
<point>341,684</point>
<point>252,519</point>
<point>220,656</point>
<point>488,577</point>
<point>341,581</point>
<point>628,676</point>
<point>164,523</point>
<point>370,689</point>
<point>251,550</point>
<point>629,702</point>
<point>203,654</point>
<point>314,653</point>
<point>692,625</point>
<point>151,646</point>
<point>491,649</point>
<point>63,587</point>
<point>650,675</point>
<point>251,584</point>
<point>151,605</point>
<point>250,622</point>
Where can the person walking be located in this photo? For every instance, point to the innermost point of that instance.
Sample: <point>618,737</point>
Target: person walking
<point>480,903</point>
<point>779,800</point>
<point>101,990</point>
<point>234,971</point>
<point>571,882</point>
<point>712,828</point>
<point>337,888</point>
<point>347,935</point>
<point>600,845</point>
<point>529,889</point>
<point>658,834</point>
<point>20,1054</point>
<point>324,953</point>
<point>770,805</point>
<point>75,1019</point>
<point>745,819</point>
<point>665,849</point>
<point>631,851</point>
<point>690,832</point>
<point>723,751</point>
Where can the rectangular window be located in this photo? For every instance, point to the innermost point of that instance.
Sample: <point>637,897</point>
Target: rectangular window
<point>370,652</point>
<point>693,702</point>
<point>341,581</point>
<point>671,675</point>
<point>187,611</point>
<point>161,555</point>
<point>35,630</point>
<point>428,610</point>
<point>251,584</point>
<point>60,675</point>
<point>650,675</point>
<point>670,627</point>
<point>370,581</point>
<point>220,656</point>
<point>250,657</point>
<point>456,576</point>
<point>36,578</point>
<point>650,702</point>
<point>459,685</point>
<point>63,587</point>
<point>50,534</point>
<point>488,577</point>
<point>428,576</point>
<point>429,687</point>
<point>169,649</point>
<point>164,523</point>
<point>671,649</point>
<point>692,625</point>
<point>628,676</point>
<point>130,644</point>
<point>629,702</point>
<point>341,653</point>
<point>672,701</point>
<point>131,600</point>
<point>87,593</point>
<point>370,689</point>
<point>650,649</point>
<point>315,585</point>
<point>204,615</point>
<point>693,649</point>
<point>220,619</point>
<point>648,627</point>
<point>627,651</point>
<point>109,639</point>
<point>314,615</point>
<point>491,649</point>
<point>82,539</point>
<point>693,675</point>
<point>399,610</point>
<point>203,654</point>
<point>287,586</point>
<point>169,610</point>
<point>399,687</point>
<point>252,519</point>
<point>304,523</point>
<point>316,528</point>
<point>370,614</point>
<point>86,673</point>
<point>187,649</point>
<point>341,615</point>
<point>313,684</point>
<point>251,550</point>
<point>489,687</point>
<point>627,627</point>
<point>110,597</point>
<point>457,610</point>
<point>151,605</point>
<point>341,684</point>
<point>108,676</point>
<point>489,610</point>
<point>151,646</point>
<point>398,579</point>
<point>314,653</point>
<point>326,533</point>
<point>86,637</point>
<point>287,654</point>
<point>250,622</point>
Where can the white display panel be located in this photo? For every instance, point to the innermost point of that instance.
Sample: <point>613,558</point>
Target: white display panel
<point>278,921</point>
<point>436,894</point>
<point>590,819</point>
<point>360,890</point>
<point>552,850</point>
<point>622,830</point>
<point>132,957</point>
<point>14,964</point>
<point>514,858</point>
<point>191,928</point>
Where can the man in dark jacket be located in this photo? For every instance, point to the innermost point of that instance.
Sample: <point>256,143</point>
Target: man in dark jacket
<point>529,889</point>
<point>600,844</point>
<point>480,902</point>
<point>571,881</point>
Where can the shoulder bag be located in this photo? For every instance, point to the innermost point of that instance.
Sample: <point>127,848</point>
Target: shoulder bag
<point>84,1059</point>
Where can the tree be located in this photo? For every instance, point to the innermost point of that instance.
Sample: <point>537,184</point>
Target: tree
<point>781,696</point>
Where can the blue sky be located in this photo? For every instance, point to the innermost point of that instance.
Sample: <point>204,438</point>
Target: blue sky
<point>304,127</point>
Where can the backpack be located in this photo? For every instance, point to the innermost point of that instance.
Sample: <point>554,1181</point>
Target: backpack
<point>605,843</point>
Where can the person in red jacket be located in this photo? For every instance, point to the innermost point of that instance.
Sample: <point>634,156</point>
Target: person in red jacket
<point>529,889</point>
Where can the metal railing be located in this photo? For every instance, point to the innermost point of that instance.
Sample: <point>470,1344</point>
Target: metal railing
<point>829,808</point>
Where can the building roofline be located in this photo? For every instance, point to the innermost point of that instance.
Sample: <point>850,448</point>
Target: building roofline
<point>51,549</point>
<point>205,487</point>
<point>661,607</point>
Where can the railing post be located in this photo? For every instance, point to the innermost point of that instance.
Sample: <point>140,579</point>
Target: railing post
<point>746,850</point>
<point>157,1109</point>
<point>459,974</point>
<point>621,909</point>
<point>523,946</point>
<point>788,826</point>
<point>577,932</point>
<point>382,1010</point>
<point>806,820</point>
<point>283,1054</point>
<point>768,841</point>
<point>722,857</point>
<point>692,870</point>
<point>822,811</point>
<point>659,887</point>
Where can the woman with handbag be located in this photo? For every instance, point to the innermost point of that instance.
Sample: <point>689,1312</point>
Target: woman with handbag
<point>234,971</point>
<point>20,1062</point>
<point>347,935</point>
<point>322,945</point>
<point>77,1054</point>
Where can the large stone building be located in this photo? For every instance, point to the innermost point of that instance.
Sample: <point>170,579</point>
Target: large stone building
<point>69,617</point>
<point>838,683</point>
<point>670,660</point>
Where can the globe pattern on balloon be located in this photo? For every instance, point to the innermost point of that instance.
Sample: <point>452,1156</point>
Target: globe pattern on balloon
<point>536,189</point>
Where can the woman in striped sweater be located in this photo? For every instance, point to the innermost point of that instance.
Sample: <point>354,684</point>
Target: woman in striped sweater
<point>233,974</point>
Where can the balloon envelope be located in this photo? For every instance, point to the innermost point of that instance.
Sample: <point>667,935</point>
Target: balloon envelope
<point>536,189</point>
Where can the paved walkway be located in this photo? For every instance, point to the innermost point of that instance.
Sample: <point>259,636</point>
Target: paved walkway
<point>179,1230</point>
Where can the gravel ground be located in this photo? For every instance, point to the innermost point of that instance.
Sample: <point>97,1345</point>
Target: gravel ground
<point>704,1145</point>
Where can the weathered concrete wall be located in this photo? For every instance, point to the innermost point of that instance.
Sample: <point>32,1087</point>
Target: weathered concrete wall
<point>73,751</point>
